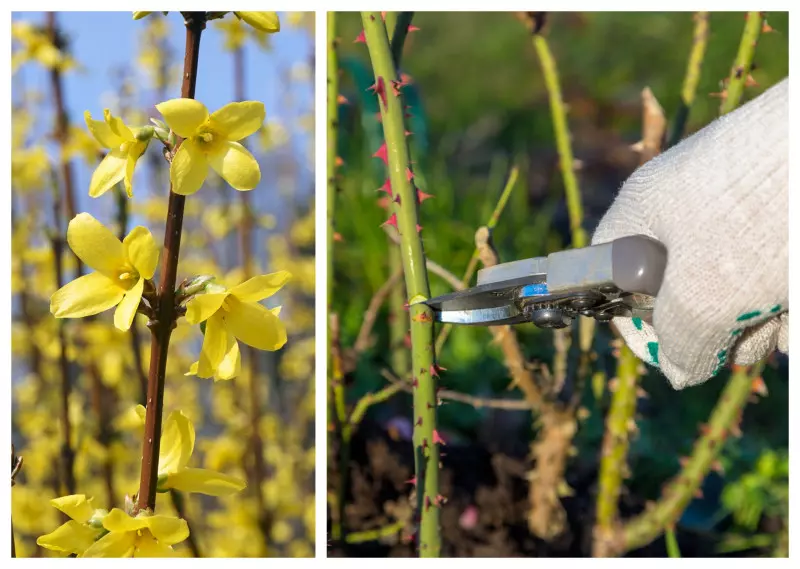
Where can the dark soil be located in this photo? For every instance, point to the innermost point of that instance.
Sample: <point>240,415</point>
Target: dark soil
<point>494,484</point>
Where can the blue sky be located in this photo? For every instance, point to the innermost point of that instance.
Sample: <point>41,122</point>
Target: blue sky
<point>105,42</point>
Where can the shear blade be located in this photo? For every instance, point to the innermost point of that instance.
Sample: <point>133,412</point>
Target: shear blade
<point>487,304</point>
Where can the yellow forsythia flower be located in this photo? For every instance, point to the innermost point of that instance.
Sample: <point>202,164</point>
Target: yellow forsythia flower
<point>236,314</point>
<point>78,534</point>
<point>177,446</point>
<point>142,536</point>
<point>121,269</point>
<point>126,146</point>
<point>36,45</point>
<point>262,21</point>
<point>211,140</point>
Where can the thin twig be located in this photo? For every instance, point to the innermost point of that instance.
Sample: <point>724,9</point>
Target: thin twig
<point>511,183</point>
<point>477,402</point>
<point>363,340</point>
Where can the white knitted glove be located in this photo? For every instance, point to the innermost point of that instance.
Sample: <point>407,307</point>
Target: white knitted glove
<point>719,202</point>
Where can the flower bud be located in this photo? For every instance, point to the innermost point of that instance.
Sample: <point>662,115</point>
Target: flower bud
<point>144,134</point>
<point>140,15</point>
<point>162,134</point>
<point>196,285</point>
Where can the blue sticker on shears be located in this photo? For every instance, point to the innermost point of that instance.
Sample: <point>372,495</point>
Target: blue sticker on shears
<point>534,290</point>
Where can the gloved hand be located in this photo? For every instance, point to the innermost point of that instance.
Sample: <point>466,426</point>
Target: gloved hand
<point>719,202</point>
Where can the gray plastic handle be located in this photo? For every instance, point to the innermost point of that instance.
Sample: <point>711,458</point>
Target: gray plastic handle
<point>638,263</point>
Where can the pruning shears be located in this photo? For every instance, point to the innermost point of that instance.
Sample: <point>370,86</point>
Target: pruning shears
<point>618,278</point>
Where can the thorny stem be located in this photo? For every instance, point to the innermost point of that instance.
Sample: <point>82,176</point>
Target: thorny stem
<point>397,25</point>
<point>162,328</point>
<point>616,441</point>
<point>563,422</point>
<point>336,397</point>
<point>620,423</point>
<point>692,77</point>
<point>416,277</point>
<point>677,494</point>
<point>511,183</point>
<point>744,62</point>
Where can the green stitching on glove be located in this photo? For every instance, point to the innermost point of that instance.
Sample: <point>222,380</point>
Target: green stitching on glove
<point>652,347</point>
<point>637,322</point>
<point>749,315</point>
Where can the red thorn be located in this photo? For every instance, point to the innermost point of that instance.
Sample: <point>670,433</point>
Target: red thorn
<point>379,88</point>
<point>342,100</point>
<point>419,422</point>
<point>405,79</point>
<point>433,371</point>
<point>339,161</point>
<point>383,16</point>
<point>409,133</point>
<point>428,405</point>
<point>361,38</point>
<point>386,187</point>
<point>337,237</point>
<point>412,28</point>
<point>409,174</point>
<point>378,117</point>
<point>419,228</point>
<point>382,153</point>
<point>412,481</point>
<point>415,382</point>
<point>427,503</point>
<point>437,439</point>
<point>440,500</point>
<point>422,196</point>
<point>397,199</point>
<point>391,221</point>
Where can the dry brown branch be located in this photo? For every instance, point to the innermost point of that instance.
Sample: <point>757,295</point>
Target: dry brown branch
<point>547,517</point>
<point>363,340</point>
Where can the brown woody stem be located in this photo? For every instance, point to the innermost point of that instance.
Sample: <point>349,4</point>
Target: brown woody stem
<point>162,328</point>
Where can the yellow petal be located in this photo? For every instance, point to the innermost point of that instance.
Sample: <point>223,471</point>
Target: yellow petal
<point>237,120</point>
<point>148,546</point>
<point>236,165</point>
<point>96,245</point>
<point>183,116</point>
<point>141,410</point>
<point>167,529</point>
<point>119,521</point>
<point>90,294</point>
<point>108,173</point>
<point>72,537</point>
<point>214,347</point>
<point>141,249</point>
<point>77,507</point>
<point>260,287</point>
<point>115,544</point>
<point>192,369</point>
<point>134,152</point>
<point>202,481</point>
<point>177,443</point>
<point>102,132</point>
<point>255,325</point>
<point>188,170</point>
<point>126,310</point>
<point>263,21</point>
<point>202,306</point>
<point>117,126</point>
<point>231,364</point>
